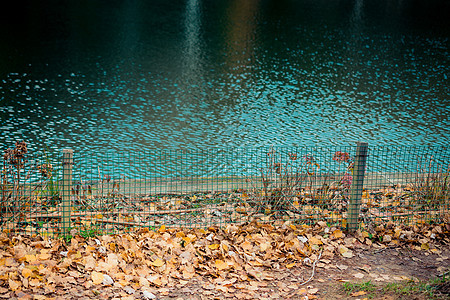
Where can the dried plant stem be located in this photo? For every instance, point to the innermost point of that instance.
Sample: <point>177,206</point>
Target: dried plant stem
<point>314,269</point>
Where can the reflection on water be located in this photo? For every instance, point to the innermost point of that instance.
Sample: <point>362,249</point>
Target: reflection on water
<point>201,74</point>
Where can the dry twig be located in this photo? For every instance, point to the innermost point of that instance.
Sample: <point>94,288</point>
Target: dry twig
<point>314,269</point>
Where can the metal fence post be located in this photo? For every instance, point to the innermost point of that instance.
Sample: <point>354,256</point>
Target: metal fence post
<point>67,163</point>
<point>356,190</point>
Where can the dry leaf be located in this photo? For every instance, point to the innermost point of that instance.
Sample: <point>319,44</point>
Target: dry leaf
<point>158,262</point>
<point>14,285</point>
<point>221,265</point>
<point>162,229</point>
<point>289,266</point>
<point>96,277</point>
<point>356,294</point>
<point>214,246</point>
<point>26,272</point>
<point>315,241</point>
<point>348,254</point>
<point>337,233</point>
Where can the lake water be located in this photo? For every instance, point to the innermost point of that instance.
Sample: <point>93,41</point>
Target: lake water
<point>192,74</point>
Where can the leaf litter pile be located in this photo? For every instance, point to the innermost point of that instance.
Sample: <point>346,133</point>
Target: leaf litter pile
<point>248,261</point>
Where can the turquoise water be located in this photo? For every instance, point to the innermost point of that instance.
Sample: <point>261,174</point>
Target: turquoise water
<point>122,75</point>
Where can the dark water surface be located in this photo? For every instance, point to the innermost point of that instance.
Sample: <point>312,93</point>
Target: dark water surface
<point>169,74</point>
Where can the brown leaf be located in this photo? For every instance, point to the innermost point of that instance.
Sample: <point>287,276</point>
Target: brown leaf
<point>96,277</point>
<point>356,294</point>
<point>221,265</point>
<point>14,285</point>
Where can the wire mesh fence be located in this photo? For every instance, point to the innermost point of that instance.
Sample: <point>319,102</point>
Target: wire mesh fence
<point>56,194</point>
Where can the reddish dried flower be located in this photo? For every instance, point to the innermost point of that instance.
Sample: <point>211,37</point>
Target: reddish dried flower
<point>16,156</point>
<point>292,156</point>
<point>347,180</point>
<point>45,170</point>
<point>340,156</point>
<point>308,158</point>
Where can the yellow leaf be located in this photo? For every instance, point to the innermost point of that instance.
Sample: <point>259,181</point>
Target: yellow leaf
<point>292,227</point>
<point>99,216</point>
<point>158,262</point>
<point>425,246</point>
<point>337,233</point>
<point>224,247</point>
<point>221,265</point>
<point>315,241</point>
<point>214,246</point>
<point>289,266</point>
<point>356,294</point>
<point>162,229</point>
<point>26,272</point>
<point>187,239</point>
<point>30,258</point>
<point>96,277</point>
<point>124,282</point>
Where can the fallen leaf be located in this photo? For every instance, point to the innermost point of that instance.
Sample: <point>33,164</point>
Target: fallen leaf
<point>348,254</point>
<point>26,272</point>
<point>315,241</point>
<point>97,277</point>
<point>157,262</point>
<point>356,294</point>
<point>14,285</point>
<point>337,233</point>
<point>221,265</point>
<point>289,266</point>
<point>214,246</point>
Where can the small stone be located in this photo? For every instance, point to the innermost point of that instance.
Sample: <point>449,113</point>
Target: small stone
<point>387,238</point>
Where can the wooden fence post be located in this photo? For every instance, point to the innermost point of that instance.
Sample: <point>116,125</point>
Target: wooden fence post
<point>67,163</point>
<point>356,189</point>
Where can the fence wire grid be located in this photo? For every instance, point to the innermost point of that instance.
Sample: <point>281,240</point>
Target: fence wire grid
<point>55,194</point>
